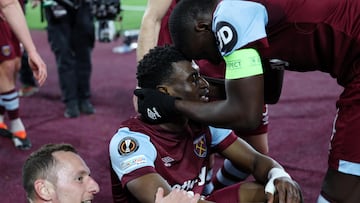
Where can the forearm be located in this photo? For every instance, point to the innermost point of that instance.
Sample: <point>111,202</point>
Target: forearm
<point>16,19</point>
<point>148,37</point>
<point>150,26</point>
<point>241,110</point>
<point>262,166</point>
<point>219,114</point>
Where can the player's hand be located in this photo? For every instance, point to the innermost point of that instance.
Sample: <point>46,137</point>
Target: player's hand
<point>154,106</point>
<point>38,67</point>
<point>287,190</point>
<point>176,196</point>
<point>35,3</point>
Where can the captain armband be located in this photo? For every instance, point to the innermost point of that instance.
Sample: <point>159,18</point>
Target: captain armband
<point>243,63</point>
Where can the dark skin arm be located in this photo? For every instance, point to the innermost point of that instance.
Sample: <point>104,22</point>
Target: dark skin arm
<point>248,159</point>
<point>273,80</point>
<point>242,155</point>
<point>245,157</point>
<point>145,187</point>
<point>241,110</point>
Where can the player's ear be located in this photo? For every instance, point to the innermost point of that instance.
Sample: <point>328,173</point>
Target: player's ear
<point>163,89</point>
<point>44,189</point>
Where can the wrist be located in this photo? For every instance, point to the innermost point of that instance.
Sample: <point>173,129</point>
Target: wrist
<point>273,174</point>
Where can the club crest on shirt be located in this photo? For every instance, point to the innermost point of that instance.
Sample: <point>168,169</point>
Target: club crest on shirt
<point>200,147</point>
<point>6,50</point>
<point>128,145</point>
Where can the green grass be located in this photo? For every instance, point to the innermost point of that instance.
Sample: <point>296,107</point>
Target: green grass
<point>132,14</point>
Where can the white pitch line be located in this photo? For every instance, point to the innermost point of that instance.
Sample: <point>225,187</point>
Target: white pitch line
<point>133,8</point>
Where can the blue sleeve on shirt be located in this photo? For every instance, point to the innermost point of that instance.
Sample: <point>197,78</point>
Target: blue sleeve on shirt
<point>218,135</point>
<point>130,151</point>
<point>237,23</point>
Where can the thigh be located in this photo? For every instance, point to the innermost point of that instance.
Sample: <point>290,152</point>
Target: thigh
<point>344,149</point>
<point>225,195</point>
<point>9,44</point>
<point>343,176</point>
<point>241,192</point>
<point>341,187</point>
<point>83,33</point>
<point>59,35</point>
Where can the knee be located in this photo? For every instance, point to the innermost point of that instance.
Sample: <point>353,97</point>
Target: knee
<point>10,67</point>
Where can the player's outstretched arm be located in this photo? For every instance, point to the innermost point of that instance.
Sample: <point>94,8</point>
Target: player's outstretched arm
<point>145,187</point>
<point>265,170</point>
<point>241,110</point>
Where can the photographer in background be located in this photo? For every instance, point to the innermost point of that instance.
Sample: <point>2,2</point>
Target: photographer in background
<point>70,28</point>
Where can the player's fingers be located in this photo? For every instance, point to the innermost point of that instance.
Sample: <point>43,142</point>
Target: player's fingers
<point>288,193</point>
<point>38,67</point>
<point>159,195</point>
<point>293,195</point>
<point>196,198</point>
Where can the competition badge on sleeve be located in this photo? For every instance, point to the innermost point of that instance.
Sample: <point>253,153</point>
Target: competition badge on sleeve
<point>127,146</point>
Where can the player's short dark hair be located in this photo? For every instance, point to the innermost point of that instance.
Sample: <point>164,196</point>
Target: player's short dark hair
<point>39,165</point>
<point>156,66</point>
<point>183,17</point>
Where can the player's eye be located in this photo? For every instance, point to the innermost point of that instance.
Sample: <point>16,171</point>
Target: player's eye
<point>80,178</point>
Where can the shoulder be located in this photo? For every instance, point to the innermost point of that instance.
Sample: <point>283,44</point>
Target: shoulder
<point>131,150</point>
<point>237,23</point>
<point>218,135</point>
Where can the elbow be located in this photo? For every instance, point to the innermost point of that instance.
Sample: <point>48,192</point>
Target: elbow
<point>254,122</point>
<point>249,123</point>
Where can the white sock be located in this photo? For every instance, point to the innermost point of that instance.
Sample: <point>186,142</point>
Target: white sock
<point>16,125</point>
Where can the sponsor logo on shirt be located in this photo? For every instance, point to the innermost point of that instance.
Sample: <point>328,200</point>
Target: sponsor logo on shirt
<point>190,184</point>
<point>128,145</point>
<point>226,36</point>
<point>132,161</point>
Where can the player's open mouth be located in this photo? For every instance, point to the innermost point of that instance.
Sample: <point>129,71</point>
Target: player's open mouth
<point>87,201</point>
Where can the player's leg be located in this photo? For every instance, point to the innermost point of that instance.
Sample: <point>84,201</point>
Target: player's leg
<point>342,180</point>
<point>10,102</point>
<point>4,86</point>
<point>9,67</point>
<point>82,40</point>
<point>258,139</point>
<point>249,192</point>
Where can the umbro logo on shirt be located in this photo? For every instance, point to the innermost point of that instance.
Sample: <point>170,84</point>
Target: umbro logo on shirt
<point>167,161</point>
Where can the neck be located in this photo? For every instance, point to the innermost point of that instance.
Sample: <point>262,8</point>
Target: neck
<point>177,125</point>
